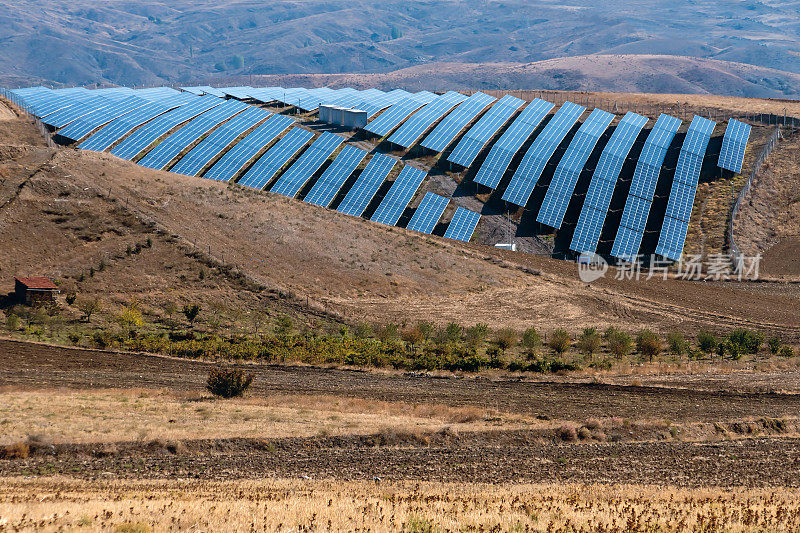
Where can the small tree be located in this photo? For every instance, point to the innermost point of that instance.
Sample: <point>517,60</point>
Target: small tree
<point>619,343</point>
<point>476,334</point>
<point>505,339</point>
<point>389,333</point>
<point>649,344</point>
<point>560,341</point>
<point>706,341</point>
<point>774,345</point>
<point>531,341</point>
<point>131,317</point>
<point>453,332</point>
<point>677,344</point>
<point>590,342</point>
<point>363,331</point>
<point>427,329</point>
<point>786,351</point>
<point>191,312</point>
<point>228,382</point>
<point>412,336</point>
<point>88,307</point>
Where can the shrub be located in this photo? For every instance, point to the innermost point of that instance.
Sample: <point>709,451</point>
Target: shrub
<point>453,332</point>
<point>18,450</point>
<point>786,351</point>
<point>476,334</point>
<point>89,307</point>
<point>283,326</point>
<point>649,344</point>
<point>707,341</point>
<point>412,336</point>
<point>677,344</point>
<point>505,339</point>
<point>568,433</point>
<point>774,345</point>
<point>389,333</point>
<point>191,312</point>
<point>589,342</point>
<point>12,322</point>
<point>619,343</point>
<point>531,341</point>
<point>70,298</point>
<point>427,329</point>
<point>363,331</point>
<point>228,382</point>
<point>746,341</point>
<point>559,341</point>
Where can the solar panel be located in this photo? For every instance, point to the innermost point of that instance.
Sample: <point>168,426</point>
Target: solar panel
<point>734,145</point>
<point>61,98</point>
<point>194,90</point>
<point>399,196</point>
<point>392,117</point>
<point>447,130</point>
<point>230,164</point>
<point>374,105</point>
<point>478,135</point>
<point>290,183</point>
<point>540,152</point>
<point>204,89</point>
<point>413,128</point>
<point>86,124</point>
<point>115,130</point>
<point>684,188</point>
<point>367,184</point>
<point>267,94</point>
<point>201,155</point>
<point>168,149</point>
<point>428,213</point>
<point>503,151</point>
<point>142,138</point>
<point>570,167</point>
<point>643,187</point>
<point>328,185</point>
<point>81,107</point>
<point>240,93</point>
<point>604,180</point>
<point>462,225</point>
<point>275,158</point>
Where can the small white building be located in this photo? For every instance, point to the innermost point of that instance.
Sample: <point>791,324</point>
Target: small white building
<point>343,116</point>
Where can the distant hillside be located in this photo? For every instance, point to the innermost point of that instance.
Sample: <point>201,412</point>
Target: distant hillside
<point>149,42</point>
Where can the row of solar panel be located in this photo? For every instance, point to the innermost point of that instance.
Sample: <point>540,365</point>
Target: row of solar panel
<point>93,109</point>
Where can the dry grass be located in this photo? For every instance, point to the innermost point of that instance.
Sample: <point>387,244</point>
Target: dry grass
<point>52,504</point>
<point>115,415</point>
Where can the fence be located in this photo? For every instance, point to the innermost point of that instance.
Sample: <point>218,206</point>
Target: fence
<point>733,249</point>
<point>8,95</point>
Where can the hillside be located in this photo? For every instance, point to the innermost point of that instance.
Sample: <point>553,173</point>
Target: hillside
<point>65,213</point>
<point>154,43</point>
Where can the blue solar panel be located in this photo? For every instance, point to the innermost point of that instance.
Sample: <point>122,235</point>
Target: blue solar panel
<point>142,138</point>
<point>416,126</point>
<point>201,155</point>
<point>83,106</point>
<point>540,152</point>
<point>428,213</point>
<point>291,181</point>
<point>115,130</point>
<point>399,196</point>
<point>374,105</point>
<point>168,149</point>
<point>392,117</point>
<point>504,150</point>
<point>643,185</point>
<point>245,150</point>
<point>569,169</point>
<point>672,239</point>
<point>367,184</point>
<point>86,124</point>
<point>204,89</point>
<point>269,164</point>
<point>328,185</point>
<point>462,225</point>
<point>681,200</point>
<point>240,93</point>
<point>627,244</point>
<point>447,130</point>
<point>734,145</point>
<point>61,98</point>
<point>478,135</point>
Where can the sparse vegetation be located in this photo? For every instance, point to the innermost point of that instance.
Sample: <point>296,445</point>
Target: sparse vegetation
<point>228,382</point>
<point>559,341</point>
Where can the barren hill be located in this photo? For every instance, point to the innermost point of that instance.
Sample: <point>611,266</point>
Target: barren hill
<point>75,216</point>
<point>151,42</point>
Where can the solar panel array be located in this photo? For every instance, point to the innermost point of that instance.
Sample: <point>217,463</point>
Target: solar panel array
<point>393,117</point>
<point>569,169</point>
<point>540,152</point>
<point>504,150</point>
<point>149,133</point>
<point>291,181</point>
<point>734,145</point>
<point>262,172</point>
<point>83,126</point>
<point>416,126</point>
<point>455,121</point>
<point>428,213</point>
<point>604,180</point>
<point>178,141</point>
<point>462,225</point>
<point>478,135</point>
<point>367,185</point>
<point>230,164</point>
<point>643,186</point>
<point>684,188</point>
<point>201,155</point>
<point>330,183</point>
<point>399,196</point>
<point>115,130</point>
